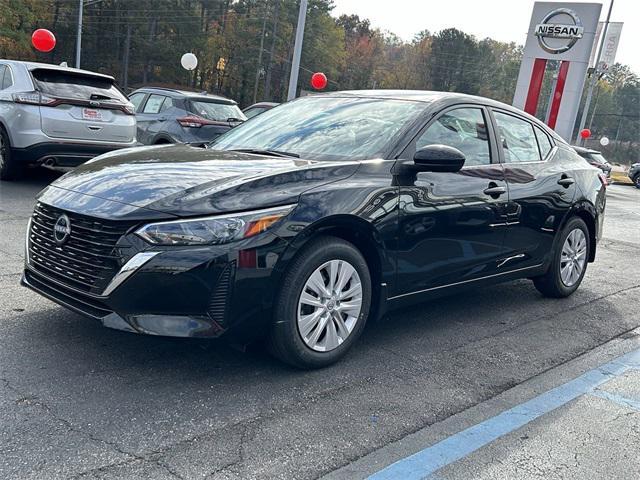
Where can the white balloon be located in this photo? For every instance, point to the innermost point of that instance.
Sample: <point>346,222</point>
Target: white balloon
<point>604,141</point>
<point>189,61</point>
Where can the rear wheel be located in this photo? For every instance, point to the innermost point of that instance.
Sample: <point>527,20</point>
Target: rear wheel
<point>10,169</point>
<point>323,304</point>
<point>569,262</point>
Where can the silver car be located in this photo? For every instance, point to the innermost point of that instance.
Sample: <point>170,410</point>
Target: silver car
<point>59,116</point>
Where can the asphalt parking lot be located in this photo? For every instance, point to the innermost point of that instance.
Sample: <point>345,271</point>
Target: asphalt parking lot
<point>81,401</point>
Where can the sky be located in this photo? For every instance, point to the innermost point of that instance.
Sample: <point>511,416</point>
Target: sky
<point>504,20</point>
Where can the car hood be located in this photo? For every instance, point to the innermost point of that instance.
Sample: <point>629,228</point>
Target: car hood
<point>182,181</point>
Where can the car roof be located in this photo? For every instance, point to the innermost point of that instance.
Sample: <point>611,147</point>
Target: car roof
<point>49,66</point>
<point>263,104</point>
<point>444,98</point>
<point>583,149</point>
<point>186,93</point>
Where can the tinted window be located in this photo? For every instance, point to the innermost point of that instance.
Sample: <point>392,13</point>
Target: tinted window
<point>598,158</point>
<point>464,129</point>
<point>154,104</point>
<point>8,78</point>
<point>76,85</point>
<point>252,112</point>
<point>518,140</point>
<point>216,111</point>
<point>543,142</point>
<point>325,127</point>
<point>136,99</point>
<point>2,69</point>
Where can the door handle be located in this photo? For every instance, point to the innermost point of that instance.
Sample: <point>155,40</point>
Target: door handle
<point>162,119</point>
<point>566,182</point>
<point>494,190</point>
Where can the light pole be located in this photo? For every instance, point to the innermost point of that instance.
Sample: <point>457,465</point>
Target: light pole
<point>79,36</point>
<point>594,77</point>
<point>297,50</point>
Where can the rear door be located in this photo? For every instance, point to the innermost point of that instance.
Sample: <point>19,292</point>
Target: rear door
<point>86,107</point>
<point>540,190</point>
<point>152,117</point>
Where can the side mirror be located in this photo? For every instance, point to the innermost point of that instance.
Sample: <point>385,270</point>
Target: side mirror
<point>438,158</point>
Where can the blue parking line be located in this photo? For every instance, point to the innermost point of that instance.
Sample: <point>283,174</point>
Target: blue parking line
<point>619,399</point>
<point>425,462</point>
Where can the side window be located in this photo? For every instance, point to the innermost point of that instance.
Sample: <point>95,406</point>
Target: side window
<point>8,78</point>
<point>464,129</point>
<point>2,71</point>
<point>154,104</point>
<point>168,103</point>
<point>517,138</point>
<point>543,142</point>
<point>136,99</point>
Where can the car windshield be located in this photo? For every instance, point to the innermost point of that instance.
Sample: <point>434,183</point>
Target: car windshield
<point>325,128</point>
<point>216,111</point>
<point>598,158</point>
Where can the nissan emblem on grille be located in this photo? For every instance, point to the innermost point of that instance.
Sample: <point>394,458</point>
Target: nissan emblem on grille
<point>62,230</point>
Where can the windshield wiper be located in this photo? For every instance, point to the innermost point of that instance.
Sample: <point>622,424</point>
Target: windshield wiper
<point>273,153</point>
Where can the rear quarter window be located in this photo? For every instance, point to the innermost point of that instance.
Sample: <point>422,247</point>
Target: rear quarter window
<point>76,85</point>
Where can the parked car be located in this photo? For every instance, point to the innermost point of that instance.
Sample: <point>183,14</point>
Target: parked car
<point>595,158</point>
<point>314,217</point>
<point>176,116</point>
<point>258,108</point>
<point>634,174</point>
<point>59,116</point>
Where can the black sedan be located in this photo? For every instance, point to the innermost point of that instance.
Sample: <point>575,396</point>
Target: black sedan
<point>316,216</point>
<point>594,158</point>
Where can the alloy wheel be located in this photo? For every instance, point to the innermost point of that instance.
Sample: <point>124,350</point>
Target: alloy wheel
<point>329,305</point>
<point>573,257</point>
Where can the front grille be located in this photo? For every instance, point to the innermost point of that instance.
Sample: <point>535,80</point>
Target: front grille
<point>87,261</point>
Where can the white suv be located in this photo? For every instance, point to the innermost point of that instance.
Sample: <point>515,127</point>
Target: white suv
<point>59,116</point>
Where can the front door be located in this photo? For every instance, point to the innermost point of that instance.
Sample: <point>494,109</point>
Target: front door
<point>452,225</point>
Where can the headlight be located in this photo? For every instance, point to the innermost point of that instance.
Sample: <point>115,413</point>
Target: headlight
<point>212,230</point>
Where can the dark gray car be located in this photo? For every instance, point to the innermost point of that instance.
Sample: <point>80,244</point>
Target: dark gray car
<point>176,116</point>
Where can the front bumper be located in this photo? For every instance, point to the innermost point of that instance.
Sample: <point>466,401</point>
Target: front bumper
<point>182,292</point>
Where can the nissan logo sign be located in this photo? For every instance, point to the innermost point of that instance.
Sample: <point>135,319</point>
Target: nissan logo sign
<point>559,37</point>
<point>61,230</point>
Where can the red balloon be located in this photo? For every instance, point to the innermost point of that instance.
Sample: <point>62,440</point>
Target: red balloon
<point>43,40</point>
<point>318,80</point>
<point>585,133</point>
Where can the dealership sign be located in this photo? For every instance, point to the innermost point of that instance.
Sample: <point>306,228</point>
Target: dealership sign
<point>547,29</point>
<point>560,39</point>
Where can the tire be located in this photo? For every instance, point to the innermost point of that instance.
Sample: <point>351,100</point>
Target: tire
<point>329,340</point>
<point>10,169</point>
<point>636,181</point>
<point>563,276</point>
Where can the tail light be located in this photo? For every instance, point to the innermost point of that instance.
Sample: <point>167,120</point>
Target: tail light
<point>128,109</point>
<point>603,179</point>
<point>35,98</point>
<point>193,122</point>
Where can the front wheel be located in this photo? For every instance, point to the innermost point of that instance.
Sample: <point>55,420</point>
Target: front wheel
<point>636,181</point>
<point>569,262</point>
<point>323,304</point>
